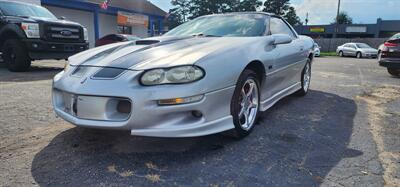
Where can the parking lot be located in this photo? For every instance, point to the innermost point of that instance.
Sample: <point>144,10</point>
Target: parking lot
<point>345,132</point>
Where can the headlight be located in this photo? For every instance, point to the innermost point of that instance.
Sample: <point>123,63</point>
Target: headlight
<point>175,75</point>
<point>31,30</point>
<point>85,34</point>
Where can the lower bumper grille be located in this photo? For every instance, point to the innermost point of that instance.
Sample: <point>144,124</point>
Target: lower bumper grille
<point>93,107</point>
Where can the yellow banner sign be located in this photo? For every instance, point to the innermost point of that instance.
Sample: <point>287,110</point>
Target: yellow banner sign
<point>317,29</point>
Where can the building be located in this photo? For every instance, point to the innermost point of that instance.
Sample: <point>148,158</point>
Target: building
<point>382,29</point>
<point>137,17</point>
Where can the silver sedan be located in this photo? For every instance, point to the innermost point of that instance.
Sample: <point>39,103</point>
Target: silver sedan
<point>212,74</point>
<point>358,50</point>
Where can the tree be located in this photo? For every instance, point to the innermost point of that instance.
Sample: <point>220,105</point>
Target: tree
<point>179,14</point>
<point>278,7</point>
<point>291,17</point>
<point>247,5</point>
<point>282,8</point>
<point>343,18</point>
<point>190,9</point>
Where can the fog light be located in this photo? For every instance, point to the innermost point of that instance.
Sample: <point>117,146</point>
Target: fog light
<point>197,114</point>
<point>184,100</point>
<point>35,45</point>
<point>124,107</point>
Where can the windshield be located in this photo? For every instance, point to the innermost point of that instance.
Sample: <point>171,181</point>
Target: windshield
<point>18,9</point>
<point>223,25</point>
<point>363,45</point>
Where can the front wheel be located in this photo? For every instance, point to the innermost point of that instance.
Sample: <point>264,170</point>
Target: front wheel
<point>245,103</point>
<point>15,55</point>
<point>394,72</point>
<point>359,55</point>
<point>305,79</point>
<point>341,54</point>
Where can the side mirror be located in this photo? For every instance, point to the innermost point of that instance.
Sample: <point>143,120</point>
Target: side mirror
<point>282,39</point>
<point>62,18</point>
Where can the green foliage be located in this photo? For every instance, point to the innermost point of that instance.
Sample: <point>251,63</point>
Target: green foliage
<point>190,9</point>
<point>292,17</point>
<point>343,18</point>
<point>282,8</point>
<point>179,13</point>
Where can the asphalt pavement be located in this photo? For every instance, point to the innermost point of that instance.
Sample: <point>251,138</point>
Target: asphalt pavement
<point>345,132</point>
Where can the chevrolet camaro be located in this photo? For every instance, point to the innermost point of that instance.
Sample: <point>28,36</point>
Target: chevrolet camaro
<point>212,74</point>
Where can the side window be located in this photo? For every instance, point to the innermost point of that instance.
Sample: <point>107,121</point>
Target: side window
<point>278,26</point>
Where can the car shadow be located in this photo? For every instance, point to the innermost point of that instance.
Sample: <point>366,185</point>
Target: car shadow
<point>35,73</point>
<point>297,142</point>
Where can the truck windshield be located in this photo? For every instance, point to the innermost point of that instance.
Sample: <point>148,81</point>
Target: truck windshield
<point>223,25</point>
<point>28,10</point>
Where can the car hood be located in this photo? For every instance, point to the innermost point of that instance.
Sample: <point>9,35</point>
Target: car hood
<point>44,20</point>
<point>155,52</point>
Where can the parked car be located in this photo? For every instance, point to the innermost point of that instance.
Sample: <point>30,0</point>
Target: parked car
<point>30,32</point>
<point>203,77</point>
<point>358,50</point>
<point>317,50</point>
<point>113,38</point>
<point>389,55</point>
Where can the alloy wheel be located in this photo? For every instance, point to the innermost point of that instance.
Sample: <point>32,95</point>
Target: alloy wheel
<point>306,77</point>
<point>249,104</point>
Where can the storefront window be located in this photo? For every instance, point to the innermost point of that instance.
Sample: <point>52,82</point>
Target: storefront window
<point>124,29</point>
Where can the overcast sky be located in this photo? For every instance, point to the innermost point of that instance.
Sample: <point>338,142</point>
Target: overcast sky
<point>324,11</point>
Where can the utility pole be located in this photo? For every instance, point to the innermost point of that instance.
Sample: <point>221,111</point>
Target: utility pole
<point>337,21</point>
<point>307,19</point>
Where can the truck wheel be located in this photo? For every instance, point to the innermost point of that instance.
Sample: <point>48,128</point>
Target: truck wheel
<point>394,72</point>
<point>15,56</point>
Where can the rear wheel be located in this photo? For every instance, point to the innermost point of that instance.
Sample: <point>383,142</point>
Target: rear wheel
<point>394,72</point>
<point>245,103</point>
<point>15,56</point>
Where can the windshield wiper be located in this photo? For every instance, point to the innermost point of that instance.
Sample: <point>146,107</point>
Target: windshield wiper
<point>204,35</point>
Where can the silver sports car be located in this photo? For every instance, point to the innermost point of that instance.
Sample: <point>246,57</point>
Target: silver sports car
<point>212,74</point>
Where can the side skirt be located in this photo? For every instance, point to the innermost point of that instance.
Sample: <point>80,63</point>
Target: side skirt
<point>265,105</point>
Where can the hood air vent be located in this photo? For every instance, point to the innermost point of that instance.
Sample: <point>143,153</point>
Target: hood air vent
<point>146,42</point>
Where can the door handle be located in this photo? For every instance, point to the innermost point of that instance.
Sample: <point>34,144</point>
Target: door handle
<point>301,48</point>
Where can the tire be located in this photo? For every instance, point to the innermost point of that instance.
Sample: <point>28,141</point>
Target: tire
<point>394,72</point>
<point>358,55</point>
<point>341,54</point>
<point>305,79</point>
<point>15,56</point>
<point>248,85</point>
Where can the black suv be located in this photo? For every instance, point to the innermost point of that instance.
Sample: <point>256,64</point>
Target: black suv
<point>31,32</point>
<point>389,55</point>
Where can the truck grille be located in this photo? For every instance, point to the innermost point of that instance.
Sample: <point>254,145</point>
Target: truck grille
<point>61,33</point>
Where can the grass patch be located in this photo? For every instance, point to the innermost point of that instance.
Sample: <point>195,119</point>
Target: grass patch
<point>328,54</point>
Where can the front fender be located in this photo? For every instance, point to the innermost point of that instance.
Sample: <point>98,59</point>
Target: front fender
<point>11,28</point>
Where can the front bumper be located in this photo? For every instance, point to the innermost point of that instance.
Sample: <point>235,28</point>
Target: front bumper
<point>370,55</point>
<point>40,49</point>
<point>146,117</point>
